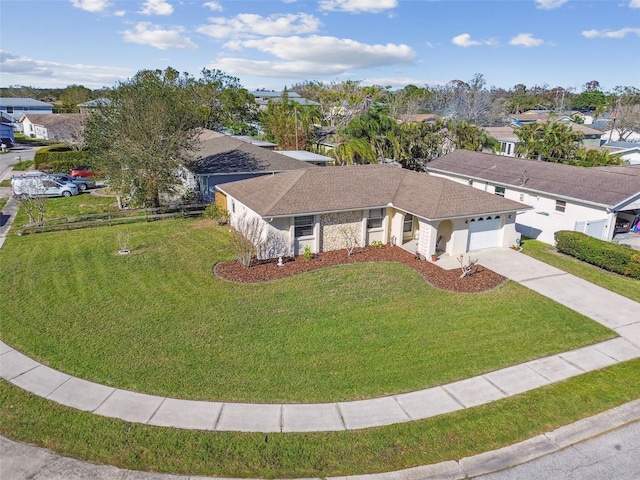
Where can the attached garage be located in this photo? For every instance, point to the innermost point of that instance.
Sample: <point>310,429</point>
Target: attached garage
<point>485,232</point>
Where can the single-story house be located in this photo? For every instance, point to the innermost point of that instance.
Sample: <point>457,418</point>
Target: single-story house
<point>628,152</point>
<point>506,136</point>
<point>263,97</point>
<point>221,158</point>
<point>15,107</point>
<point>598,201</point>
<point>56,126</point>
<point>329,208</point>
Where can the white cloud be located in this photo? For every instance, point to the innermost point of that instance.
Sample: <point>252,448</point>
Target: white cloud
<point>313,56</point>
<point>91,5</point>
<point>120,13</point>
<point>213,6</point>
<point>156,7</point>
<point>526,40</point>
<point>464,40</point>
<point>251,25</point>
<point>623,32</point>
<point>149,34</point>
<point>358,6</point>
<point>27,71</point>
<point>634,4</point>
<point>549,4</point>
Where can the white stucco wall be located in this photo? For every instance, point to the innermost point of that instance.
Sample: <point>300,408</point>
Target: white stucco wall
<point>543,221</point>
<point>338,228</point>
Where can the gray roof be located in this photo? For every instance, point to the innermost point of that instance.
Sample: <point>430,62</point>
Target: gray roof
<point>357,187</point>
<point>222,154</point>
<point>606,186</point>
<point>306,156</point>
<point>23,102</point>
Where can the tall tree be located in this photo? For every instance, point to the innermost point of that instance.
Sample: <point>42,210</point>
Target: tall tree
<point>144,132</point>
<point>288,123</point>
<point>72,96</point>
<point>551,141</point>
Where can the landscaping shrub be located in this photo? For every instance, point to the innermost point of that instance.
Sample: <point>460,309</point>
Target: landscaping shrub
<point>606,255</point>
<point>59,158</point>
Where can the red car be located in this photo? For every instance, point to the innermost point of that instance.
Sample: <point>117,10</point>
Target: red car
<point>84,171</point>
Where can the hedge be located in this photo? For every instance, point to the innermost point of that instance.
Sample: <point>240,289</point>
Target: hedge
<point>59,158</point>
<point>606,255</point>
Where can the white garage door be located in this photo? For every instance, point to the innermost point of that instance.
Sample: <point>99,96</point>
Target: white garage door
<point>484,233</point>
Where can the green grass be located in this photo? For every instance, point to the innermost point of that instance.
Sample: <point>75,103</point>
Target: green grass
<point>3,202</point>
<point>26,418</point>
<point>23,165</point>
<point>546,253</point>
<point>157,321</point>
<point>5,183</point>
<point>82,204</point>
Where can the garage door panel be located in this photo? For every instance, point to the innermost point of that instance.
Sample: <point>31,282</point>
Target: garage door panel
<point>484,234</point>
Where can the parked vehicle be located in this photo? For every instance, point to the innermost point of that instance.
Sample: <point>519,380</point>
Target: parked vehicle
<point>82,183</point>
<point>84,171</point>
<point>35,185</point>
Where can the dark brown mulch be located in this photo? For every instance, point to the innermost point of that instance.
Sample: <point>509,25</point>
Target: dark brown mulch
<point>480,279</point>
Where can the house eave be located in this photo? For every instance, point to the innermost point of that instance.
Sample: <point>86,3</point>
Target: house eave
<point>526,189</point>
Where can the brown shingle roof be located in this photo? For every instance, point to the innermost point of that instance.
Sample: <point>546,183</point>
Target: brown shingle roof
<point>220,154</point>
<point>330,189</point>
<point>607,186</point>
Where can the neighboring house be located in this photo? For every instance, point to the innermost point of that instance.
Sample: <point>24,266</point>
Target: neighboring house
<point>256,141</point>
<point>595,200</point>
<point>309,157</point>
<point>507,138</point>
<point>56,126</point>
<point>89,106</point>
<point>628,152</point>
<point>14,108</point>
<point>220,158</point>
<point>327,208</point>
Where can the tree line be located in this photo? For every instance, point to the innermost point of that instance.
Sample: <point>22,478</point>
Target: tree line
<point>150,123</point>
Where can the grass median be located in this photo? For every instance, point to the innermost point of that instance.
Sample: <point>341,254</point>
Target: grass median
<point>83,435</point>
<point>157,321</point>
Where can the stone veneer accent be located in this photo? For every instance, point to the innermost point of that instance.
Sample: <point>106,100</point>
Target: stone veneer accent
<point>332,238</point>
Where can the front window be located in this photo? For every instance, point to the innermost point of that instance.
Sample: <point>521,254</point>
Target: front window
<point>304,226</point>
<point>560,206</point>
<point>500,191</point>
<point>375,218</point>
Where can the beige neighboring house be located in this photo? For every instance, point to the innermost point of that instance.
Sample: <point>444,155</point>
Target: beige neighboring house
<point>54,126</point>
<point>325,208</point>
<point>598,201</point>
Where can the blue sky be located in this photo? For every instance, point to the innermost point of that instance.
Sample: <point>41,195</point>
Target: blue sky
<point>274,44</point>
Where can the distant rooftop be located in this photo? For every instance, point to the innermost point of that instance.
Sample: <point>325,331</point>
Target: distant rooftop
<point>18,102</point>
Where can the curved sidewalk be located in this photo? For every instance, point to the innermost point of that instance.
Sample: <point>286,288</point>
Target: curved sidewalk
<point>611,310</point>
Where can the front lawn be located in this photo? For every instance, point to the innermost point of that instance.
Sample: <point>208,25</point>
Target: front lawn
<point>158,321</point>
<point>628,287</point>
<point>82,204</point>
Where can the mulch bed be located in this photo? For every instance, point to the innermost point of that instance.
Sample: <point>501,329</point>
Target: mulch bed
<point>479,280</point>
